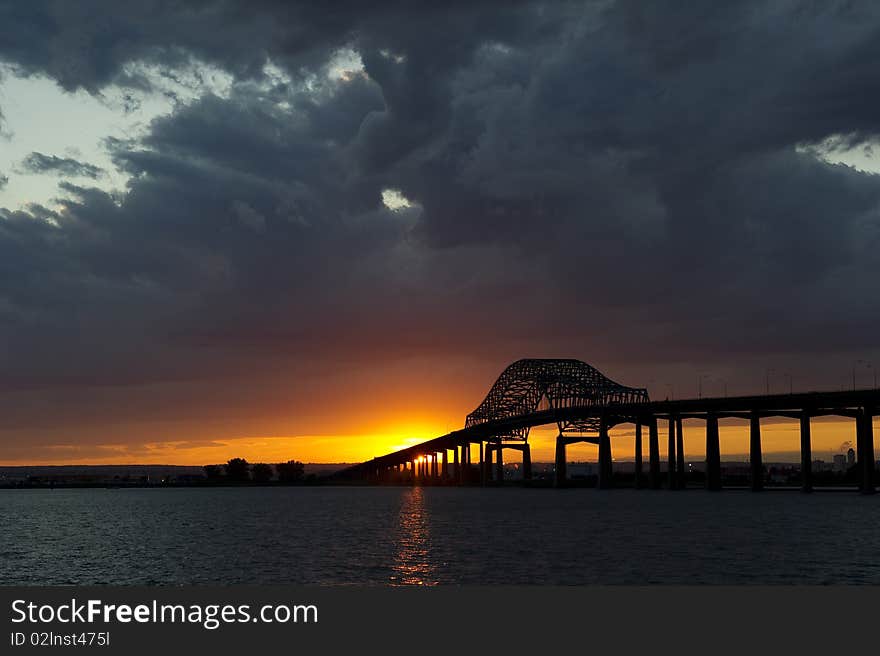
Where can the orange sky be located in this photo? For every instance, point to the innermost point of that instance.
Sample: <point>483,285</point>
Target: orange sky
<point>780,441</point>
<point>348,415</point>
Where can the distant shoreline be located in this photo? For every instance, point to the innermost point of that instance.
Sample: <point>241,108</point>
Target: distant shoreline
<point>581,474</point>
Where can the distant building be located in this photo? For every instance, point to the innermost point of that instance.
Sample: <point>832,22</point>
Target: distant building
<point>188,478</point>
<point>850,457</point>
<point>778,476</point>
<point>580,469</point>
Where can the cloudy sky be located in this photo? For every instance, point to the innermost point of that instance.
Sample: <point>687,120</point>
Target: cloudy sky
<point>307,230</point>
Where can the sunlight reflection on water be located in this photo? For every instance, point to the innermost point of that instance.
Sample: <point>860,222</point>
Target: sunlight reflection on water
<point>412,565</point>
<point>434,536</point>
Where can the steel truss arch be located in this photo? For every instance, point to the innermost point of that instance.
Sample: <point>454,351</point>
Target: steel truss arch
<point>538,384</point>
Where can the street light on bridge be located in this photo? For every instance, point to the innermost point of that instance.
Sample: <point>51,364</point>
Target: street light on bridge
<point>867,366</point>
<point>700,384</point>
<point>767,374</point>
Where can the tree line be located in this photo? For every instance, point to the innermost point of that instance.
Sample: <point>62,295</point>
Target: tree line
<point>239,470</point>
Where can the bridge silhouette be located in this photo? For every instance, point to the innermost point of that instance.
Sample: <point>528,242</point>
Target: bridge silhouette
<point>584,404</point>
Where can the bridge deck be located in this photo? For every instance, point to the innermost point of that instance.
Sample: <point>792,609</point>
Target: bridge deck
<point>844,403</point>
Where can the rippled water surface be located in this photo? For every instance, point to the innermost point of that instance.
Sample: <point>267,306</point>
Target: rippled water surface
<point>363,535</point>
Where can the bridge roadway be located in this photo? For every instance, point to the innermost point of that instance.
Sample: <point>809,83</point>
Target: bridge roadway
<point>428,462</point>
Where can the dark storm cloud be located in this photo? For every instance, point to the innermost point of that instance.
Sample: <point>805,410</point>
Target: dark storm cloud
<point>40,163</point>
<point>635,180</point>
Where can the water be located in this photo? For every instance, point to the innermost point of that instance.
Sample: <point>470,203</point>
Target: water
<point>426,536</point>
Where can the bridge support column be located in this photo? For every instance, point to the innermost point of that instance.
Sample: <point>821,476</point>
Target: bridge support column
<point>865,447</point>
<point>456,466</point>
<point>713,454</point>
<point>481,464</point>
<point>680,472</point>
<point>435,467</point>
<point>445,465</point>
<point>559,475</point>
<point>654,454</point>
<point>806,454</point>
<point>605,468</point>
<point>499,464</point>
<point>466,476</point>
<point>637,481</point>
<point>486,469</point>
<point>671,454</point>
<point>756,464</point>
<point>527,462</point>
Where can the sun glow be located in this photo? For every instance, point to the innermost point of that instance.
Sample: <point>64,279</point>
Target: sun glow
<point>780,443</point>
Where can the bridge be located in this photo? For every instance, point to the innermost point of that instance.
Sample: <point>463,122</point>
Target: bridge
<point>584,405</point>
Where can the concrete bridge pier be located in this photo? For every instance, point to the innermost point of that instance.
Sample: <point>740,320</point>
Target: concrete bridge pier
<point>499,464</point>
<point>559,475</point>
<point>486,469</point>
<point>456,466</point>
<point>671,478</point>
<point>479,473</point>
<point>756,465</point>
<point>637,482</point>
<point>526,462</point>
<point>806,454</point>
<point>445,464</point>
<point>865,447</point>
<point>713,454</point>
<point>653,455</point>
<point>605,467</point>
<point>679,452</point>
